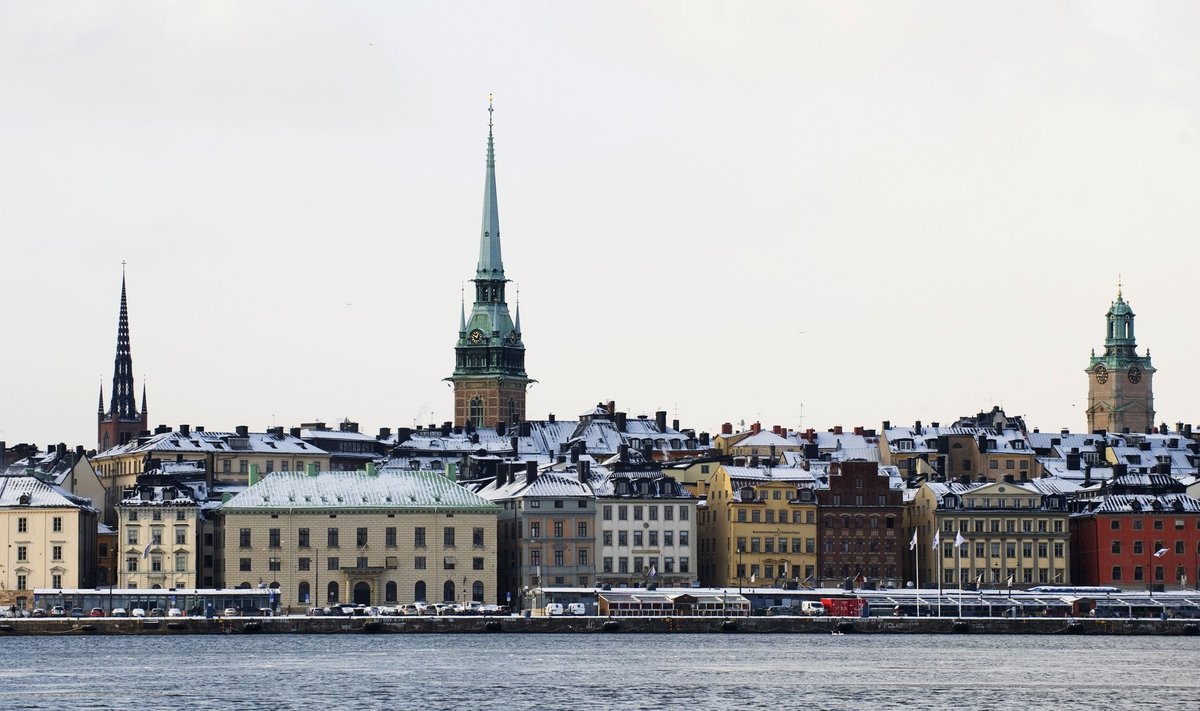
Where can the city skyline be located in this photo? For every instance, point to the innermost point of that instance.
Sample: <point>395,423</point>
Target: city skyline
<point>817,216</point>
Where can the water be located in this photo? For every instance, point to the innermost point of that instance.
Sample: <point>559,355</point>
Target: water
<point>600,671</point>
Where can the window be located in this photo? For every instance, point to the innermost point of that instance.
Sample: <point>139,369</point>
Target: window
<point>622,538</point>
<point>56,581</point>
<point>273,538</point>
<point>331,538</point>
<point>535,529</point>
<point>273,564</point>
<point>558,529</point>
<point>535,557</point>
<point>638,539</point>
<point>304,564</point>
<point>608,538</point>
<point>558,504</point>
<point>56,526</point>
<point>22,553</point>
<point>448,536</point>
<point>607,512</point>
<point>637,513</point>
<point>302,537</point>
<point>477,537</point>
<point>389,536</point>
<point>131,536</point>
<point>181,535</point>
<point>131,566</point>
<point>389,592</point>
<point>360,537</point>
<point>1137,524</point>
<point>477,563</point>
<point>244,538</point>
<point>558,557</point>
<point>608,564</point>
<point>244,565</point>
<point>23,524</point>
<point>654,538</point>
<point>653,511</point>
<point>419,563</point>
<point>1158,524</point>
<point>419,537</point>
<point>332,563</point>
<point>683,512</point>
<point>581,529</point>
<point>668,513</point>
<point>419,591</point>
<point>56,553</point>
<point>668,538</point>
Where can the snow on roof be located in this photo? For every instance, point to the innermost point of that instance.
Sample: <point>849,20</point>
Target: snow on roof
<point>386,490</point>
<point>546,485</point>
<point>31,492</point>
<point>765,438</point>
<point>208,442</point>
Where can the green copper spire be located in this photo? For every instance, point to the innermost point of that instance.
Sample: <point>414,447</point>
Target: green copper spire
<point>491,266</point>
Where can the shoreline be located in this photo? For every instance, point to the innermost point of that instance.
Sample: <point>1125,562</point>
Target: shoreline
<point>637,625</point>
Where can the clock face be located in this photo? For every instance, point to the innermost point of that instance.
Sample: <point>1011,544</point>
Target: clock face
<point>1101,374</point>
<point>1135,374</point>
<point>476,336</point>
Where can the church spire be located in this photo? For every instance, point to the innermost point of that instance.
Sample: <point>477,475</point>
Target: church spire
<point>123,405</point>
<point>491,266</point>
<point>100,407</point>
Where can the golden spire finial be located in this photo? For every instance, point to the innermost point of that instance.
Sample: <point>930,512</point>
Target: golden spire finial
<point>1118,286</point>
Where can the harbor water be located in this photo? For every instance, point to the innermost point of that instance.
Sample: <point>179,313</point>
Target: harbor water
<point>598,671</point>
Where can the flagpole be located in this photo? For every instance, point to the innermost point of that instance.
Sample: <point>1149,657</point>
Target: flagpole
<point>917,575</point>
<point>958,573</point>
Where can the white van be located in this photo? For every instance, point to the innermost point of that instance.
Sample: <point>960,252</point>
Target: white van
<point>577,608</point>
<point>811,607</point>
<point>554,608</point>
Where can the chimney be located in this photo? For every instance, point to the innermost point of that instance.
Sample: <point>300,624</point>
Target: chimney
<point>574,454</point>
<point>917,428</point>
<point>858,430</point>
<point>446,426</point>
<point>78,454</point>
<point>583,471</point>
<point>185,430</point>
<point>727,428</point>
<point>837,430</point>
<point>623,453</point>
<point>530,472</point>
<point>243,431</point>
<point>551,417</point>
<point>384,433</point>
<point>887,425</point>
<point>775,429</point>
<point>61,450</point>
<point>514,442</point>
<point>756,428</point>
<point>1008,479</point>
<point>403,434</point>
<point>675,425</point>
<point>612,408</point>
<point>295,432</point>
<point>660,420</point>
<point>1073,459</point>
<point>648,452</point>
<point>161,429</point>
<point>500,427</point>
<point>3,454</point>
<point>620,421</point>
<point>524,429</point>
<point>703,439</point>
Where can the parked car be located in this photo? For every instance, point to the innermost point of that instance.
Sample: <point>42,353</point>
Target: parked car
<point>265,612</point>
<point>174,612</point>
<point>120,612</point>
<point>428,609</point>
<point>554,608</point>
<point>39,612</point>
<point>811,607</point>
<point>137,612</point>
<point>58,611</point>
<point>230,612</point>
<point>782,610</point>
<point>473,608</point>
<point>316,612</point>
<point>490,610</point>
<point>155,612</point>
<point>96,612</point>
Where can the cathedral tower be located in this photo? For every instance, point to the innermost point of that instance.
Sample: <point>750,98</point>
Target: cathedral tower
<point>123,421</point>
<point>489,370</point>
<point>1120,392</point>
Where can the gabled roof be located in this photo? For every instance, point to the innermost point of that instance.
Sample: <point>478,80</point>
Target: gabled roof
<point>31,492</point>
<point>172,443</point>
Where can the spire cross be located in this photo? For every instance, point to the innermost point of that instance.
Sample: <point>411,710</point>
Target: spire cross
<point>490,113</point>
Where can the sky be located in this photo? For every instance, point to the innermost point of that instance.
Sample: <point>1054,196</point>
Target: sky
<point>801,213</point>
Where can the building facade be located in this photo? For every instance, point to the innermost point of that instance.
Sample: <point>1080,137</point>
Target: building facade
<point>861,526</point>
<point>47,539</point>
<point>647,527</point>
<point>1120,382</point>
<point>370,537</point>
<point>160,529</point>
<point>489,371</point>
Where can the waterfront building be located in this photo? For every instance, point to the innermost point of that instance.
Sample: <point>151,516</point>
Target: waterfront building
<point>489,372</point>
<point>758,526</point>
<point>1120,382</point>
<point>123,421</point>
<point>861,525</point>
<point>163,529</point>
<point>546,525</point>
<point>373,537</point>
<point>1010,531</point>
<point>47,539</point>
<point>647,525</point>
<point>69,469</point>
<point>1141,531</point>
<point>954,452</point>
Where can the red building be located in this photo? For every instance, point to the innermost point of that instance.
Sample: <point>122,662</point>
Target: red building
<point>1141,530</point>
<point>861,519</point>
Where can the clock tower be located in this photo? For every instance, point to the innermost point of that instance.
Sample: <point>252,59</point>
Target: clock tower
<point>1120,393</point>
<point>489,369</point>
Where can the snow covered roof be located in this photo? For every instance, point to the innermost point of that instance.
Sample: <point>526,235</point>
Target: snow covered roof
<point>1137,503</point>
<point>545,485</point>
<point>208,442</point>
<point>388,490</point>
<point>31,492</point>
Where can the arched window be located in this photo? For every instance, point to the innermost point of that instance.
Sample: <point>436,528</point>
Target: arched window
<point>476,412</point>
<point>302,592</point>
<point>389,591</point>
<point>333,591</point>
<point>477,591</point>
<point>244,586</point>
<point>448,591</point>
<point>419,591</point>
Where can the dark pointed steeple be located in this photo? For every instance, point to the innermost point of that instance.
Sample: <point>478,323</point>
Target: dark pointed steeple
<point>123,421</point>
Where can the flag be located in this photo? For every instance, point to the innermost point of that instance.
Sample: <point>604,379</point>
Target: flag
<point>653,572</point>
<point>937,538</point>
<point>959,540</point>
<point>1010,580</point>
<point>912,545</point>
<point>1160,552</point>
<point>146,551</point>
<point>753,577</point>
<point>979,579</point>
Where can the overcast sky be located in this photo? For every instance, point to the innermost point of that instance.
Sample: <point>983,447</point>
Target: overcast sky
<point>804,213</point>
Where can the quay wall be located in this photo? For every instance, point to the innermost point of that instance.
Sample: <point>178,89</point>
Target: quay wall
<point>692,625</point>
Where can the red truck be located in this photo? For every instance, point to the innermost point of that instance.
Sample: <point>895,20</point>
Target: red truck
<point>843,606</point>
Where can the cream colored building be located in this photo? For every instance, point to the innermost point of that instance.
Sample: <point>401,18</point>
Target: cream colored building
<point>369,537</point>
<point>159,528</point>
<point>47,539</point>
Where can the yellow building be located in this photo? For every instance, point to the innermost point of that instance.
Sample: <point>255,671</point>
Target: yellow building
<point>160,527</point>
<point>47,539</point>
<point>369,537</point>
<point>976,452</point>
<point>757,527</point>
<point>1009,530</point>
